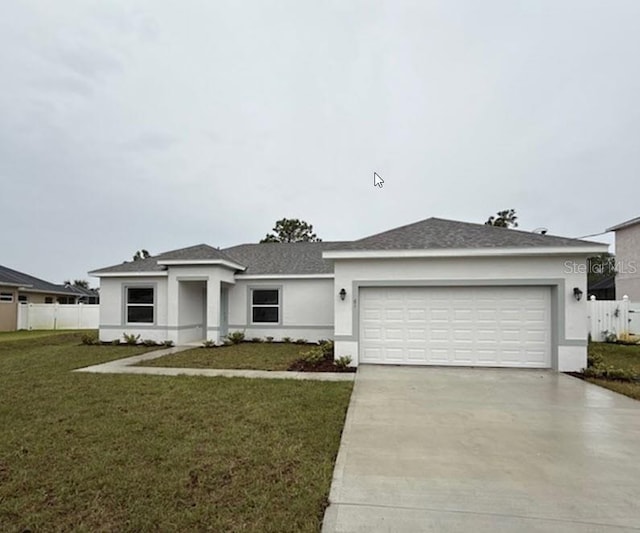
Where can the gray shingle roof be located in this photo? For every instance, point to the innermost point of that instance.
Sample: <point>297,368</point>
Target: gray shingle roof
<point>284,258</point>
<point>438,233</point>
<point>13,277</point>
<point>306,257</point>
<point>150,264</point>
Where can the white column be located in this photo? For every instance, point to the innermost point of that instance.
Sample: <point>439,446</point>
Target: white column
<point>213,308</point>
<point>173,286</point>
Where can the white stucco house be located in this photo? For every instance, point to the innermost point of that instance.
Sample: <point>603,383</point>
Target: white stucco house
<point>436,292</point>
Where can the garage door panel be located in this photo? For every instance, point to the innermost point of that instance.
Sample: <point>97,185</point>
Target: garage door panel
<point>485,326</point>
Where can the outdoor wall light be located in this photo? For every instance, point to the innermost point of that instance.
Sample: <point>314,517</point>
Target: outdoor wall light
<point>577,293</point>
<point>343,294</point>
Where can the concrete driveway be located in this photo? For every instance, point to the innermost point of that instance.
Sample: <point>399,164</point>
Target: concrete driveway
<point>484,450</point>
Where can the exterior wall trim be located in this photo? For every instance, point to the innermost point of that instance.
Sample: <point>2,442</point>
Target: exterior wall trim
<point>275,326</point>
<point>161,273</point>
<point>467,252</point>
<point>284,276</point>
<point>149,327</point>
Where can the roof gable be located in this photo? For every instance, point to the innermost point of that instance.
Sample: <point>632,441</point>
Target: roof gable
<point>199,252</point>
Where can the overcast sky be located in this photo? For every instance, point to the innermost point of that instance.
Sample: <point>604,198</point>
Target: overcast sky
<point>158,125</point>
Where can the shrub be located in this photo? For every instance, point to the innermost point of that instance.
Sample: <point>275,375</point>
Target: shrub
<point>131,339</point>
<point>256,339</point>
<point>149,342</point>
<point>594,359</point>
<point>609,372</point>
<point>90,339</point>
<point>342,362</point>
<point>269,339</point>
<point>209,344</point>
<point>314,356</point>
<point>327,348</point>
<point>235,337</point>
<point>167,344</point>
<point>287,339</point>
<point>115,342</point>
<point>301,341</point>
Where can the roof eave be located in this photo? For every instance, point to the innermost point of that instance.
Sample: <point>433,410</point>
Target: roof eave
<point>199,262</point>
<point>48,291</point>
<point>11,284</point>
<point>133,274</point>
<point>624,225</point>
<point>585,250</point>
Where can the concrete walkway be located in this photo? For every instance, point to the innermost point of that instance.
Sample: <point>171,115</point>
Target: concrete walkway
<point>127,366</point>
<point>485,450</point>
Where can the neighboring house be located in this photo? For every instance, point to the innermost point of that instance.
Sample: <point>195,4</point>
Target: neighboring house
<point>437,292</point>
<point>18,287</point>
<point>81,295</point>
<point>628,259</point>
<point>603,289</point>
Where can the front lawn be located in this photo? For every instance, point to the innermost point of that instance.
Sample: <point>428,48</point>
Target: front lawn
<point>618,356</point>
<point>137,453</point>
<point>24,334</point>
<point>244,356</point>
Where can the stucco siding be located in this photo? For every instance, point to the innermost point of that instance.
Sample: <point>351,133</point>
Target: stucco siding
<point>628,263</point>
<point>562,274</point>
<point>306,308</point>
<point>112,308</point>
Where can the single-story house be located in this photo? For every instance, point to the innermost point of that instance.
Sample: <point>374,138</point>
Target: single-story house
<point>82,295</point>
<point>17,287</point>
<point>436,292</point>
<point>628,259</point>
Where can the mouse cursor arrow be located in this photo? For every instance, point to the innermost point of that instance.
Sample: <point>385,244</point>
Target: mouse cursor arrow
<point>377,180</point>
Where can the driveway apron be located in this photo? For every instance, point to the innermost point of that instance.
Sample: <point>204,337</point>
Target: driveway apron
<point>485,450</point>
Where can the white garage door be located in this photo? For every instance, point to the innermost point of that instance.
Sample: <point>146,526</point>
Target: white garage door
<point>465,326</point>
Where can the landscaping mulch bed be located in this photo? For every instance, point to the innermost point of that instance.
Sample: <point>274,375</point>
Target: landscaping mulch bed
<point>324,366</point>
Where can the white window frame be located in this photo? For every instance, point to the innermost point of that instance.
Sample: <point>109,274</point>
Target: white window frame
<point>7,297</point>
<point>278,289</point>
<point>126,305</point>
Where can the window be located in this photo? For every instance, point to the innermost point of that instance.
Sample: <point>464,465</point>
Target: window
<point>22,298</point>
<point>48,300</point>
<point>140,307</point>
<point>6,297</point>
<point>265,306</point>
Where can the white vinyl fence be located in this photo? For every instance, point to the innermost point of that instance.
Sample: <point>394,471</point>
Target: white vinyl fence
<point>611,317</point>
<point>634,318</point>
<point>58,316</point>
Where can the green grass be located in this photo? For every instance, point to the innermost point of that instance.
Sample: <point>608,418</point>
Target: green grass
<point>245,356</point>
<point>628,389</point>
<point>38,333</point>
<point>88,452</point>
<point>619,356</point>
